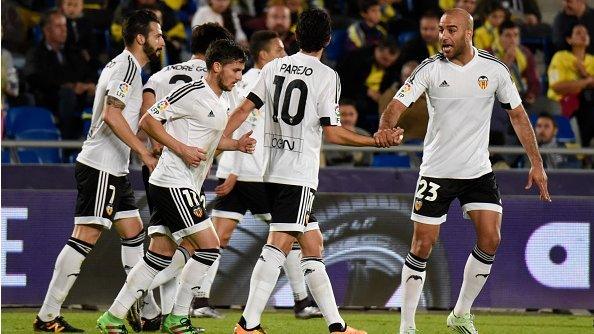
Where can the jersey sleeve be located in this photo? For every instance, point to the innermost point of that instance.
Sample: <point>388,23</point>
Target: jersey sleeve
<point>161,109</point>
<point>328,103</point>
<point>122,77</point>
<point>258,92</point>
<point>414,86</point>
<point>507,92</point>
<point>151,85</point>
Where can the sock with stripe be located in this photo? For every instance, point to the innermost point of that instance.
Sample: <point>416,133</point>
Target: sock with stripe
<point>204,291</point>
<point>138,282</point>
<point>132,253</point>
<point>412,281</point>
<point>191,278</point>
<point>66,272</point>
<point>319,284</point>
<point>294,273</point>
<point>476,272</point>
<point>168,279</point>
<point>262,283</point>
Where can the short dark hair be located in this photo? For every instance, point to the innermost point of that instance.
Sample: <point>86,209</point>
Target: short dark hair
<point>47,16</point>
<point>432,14</point>
<point>224,51</point>
<point>205,34</point>
<point>345,101</point>
<point>507,24</point>
<point>493,7</point>
<point>137,23</point>
<point>545,114</point>
<point>313,30</point>
<point>259,41</point>
<point>364,5</point>
<point>388,43</point>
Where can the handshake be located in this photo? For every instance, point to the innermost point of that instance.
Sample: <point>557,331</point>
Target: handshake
<point>388,137</point>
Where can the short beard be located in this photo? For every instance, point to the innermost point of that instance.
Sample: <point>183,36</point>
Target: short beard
<point>152,53</point>
<point>222,86</point>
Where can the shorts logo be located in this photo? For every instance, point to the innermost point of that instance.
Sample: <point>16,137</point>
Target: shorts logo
<point>198,212</point>
<point>159,107</point>
<point>483,82</point>
<point>109,209</point>
<point>123,89</point>
<point>418,205</point>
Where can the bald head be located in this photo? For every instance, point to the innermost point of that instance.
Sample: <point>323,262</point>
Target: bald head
<point>460,16</point>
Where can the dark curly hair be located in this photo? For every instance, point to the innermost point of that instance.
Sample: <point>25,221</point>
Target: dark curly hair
<point>137,23</point>
<point>313,30</point>
<point>205,34</point>
<point>224,51</point>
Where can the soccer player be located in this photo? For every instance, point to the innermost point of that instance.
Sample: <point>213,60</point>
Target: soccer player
<point>156,88</point>
<point>105,196</point>
<point>461,83</point>
<point>241,176</point>
<point>300,96</point>
<point>196,114</point>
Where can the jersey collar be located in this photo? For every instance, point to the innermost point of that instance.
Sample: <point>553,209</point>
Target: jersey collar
<point>468,65</point>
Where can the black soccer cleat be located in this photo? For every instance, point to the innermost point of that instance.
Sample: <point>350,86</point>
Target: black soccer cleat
<point>151,325</point>
<point>58,325</point>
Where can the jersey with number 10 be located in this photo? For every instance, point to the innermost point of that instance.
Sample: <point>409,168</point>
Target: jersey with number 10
<point>300,95</point>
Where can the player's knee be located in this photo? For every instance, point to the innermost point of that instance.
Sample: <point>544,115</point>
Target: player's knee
<point>489,243</point>
<point>422,245</point>
<point>87,233</point>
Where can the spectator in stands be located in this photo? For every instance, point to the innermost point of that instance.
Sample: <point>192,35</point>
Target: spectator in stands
<point>573,12</point>
<point>470,7</point>
<point>487,35</point>
<point>571,81</point>
<point>80,31</point>
<point>519,60</point>
<point>278,19</point>
<point>220,11</point>
<point>59,76</point>
<point>365,74</point>
<point>424,46</point>
<point>10,80</point>
<point>367,31</point>
<point>387,9</point>
<point>414,120</point>
<point>348,120</point>
<point>173,30</point>
<point>546,136</point>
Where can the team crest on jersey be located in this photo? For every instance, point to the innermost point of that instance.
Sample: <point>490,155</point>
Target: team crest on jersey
<point>418,205</point>
<point>109,209</point>
<point>123,89</point>
<point>483,82</point>
<point>198,212</point>
<point>159,107</point>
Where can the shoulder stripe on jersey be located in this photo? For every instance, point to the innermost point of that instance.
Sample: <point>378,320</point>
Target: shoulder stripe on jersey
<point>186,92</point>
<point>337,87</point>
<point>423,64</point>
<point>486,55</point>
<point>131,71</point>
<point>183,88</point>
<point>127,70</point>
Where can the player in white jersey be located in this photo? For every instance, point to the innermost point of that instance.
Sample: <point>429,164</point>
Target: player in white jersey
<point>157,87</point>
<point>195,114</point>
<point>241,186</point>
<point>461,84</point>
<point>300,96</point>
<point>104,192</point>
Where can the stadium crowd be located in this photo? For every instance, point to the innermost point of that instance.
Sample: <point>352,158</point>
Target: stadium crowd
<point>52,52</point>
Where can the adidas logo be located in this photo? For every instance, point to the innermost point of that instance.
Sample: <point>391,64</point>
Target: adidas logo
<point>262,258</point>
<point>211,114</point>
<point>444,84</point>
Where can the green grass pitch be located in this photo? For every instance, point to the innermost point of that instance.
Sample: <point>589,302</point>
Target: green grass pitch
<point>16,321</point>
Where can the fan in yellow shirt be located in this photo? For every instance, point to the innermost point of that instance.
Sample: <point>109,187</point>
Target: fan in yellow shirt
<point>487,35</point>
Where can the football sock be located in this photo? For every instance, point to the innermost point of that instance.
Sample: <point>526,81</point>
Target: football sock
<point>413,278</point>
<point>191,278</point>
<point>138,282</point>
<point>294,273</point>
<point>263,281</point>
<point>204,291</point>
<point>476,272</point>
<point>66,272</point>
<point>319,284</point>
<point>168,279</point>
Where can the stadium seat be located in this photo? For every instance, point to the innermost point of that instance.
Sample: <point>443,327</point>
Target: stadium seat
<point>23,119</point>
<point>5,156</point>
<point>391,160</point>
<point>335,49</point>
<point>39,155</point>
<point>87,115</point>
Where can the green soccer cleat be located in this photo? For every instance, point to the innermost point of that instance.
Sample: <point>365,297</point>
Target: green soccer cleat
<point>463,324</point>
<point>109,324</point>
<point>177,324</point>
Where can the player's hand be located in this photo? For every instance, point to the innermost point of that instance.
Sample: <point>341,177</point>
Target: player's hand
<point>157,148</point>
<point>192,156</point>
<point>246,144</point>
<point>388,137</point>
<point>226,187</point>
<point>149,160</point>
<point>539,176</point>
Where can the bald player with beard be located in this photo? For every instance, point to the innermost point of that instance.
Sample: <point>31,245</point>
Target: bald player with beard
<point>461,83</point>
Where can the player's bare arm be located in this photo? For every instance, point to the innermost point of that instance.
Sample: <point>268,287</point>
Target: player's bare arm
<point>148,99</point>
<point>341,136</point>
<point>245,144</point>
<point>524,131</point>
<point>112,116</point>
<point>191,155</point>
<point>238,116</point>
<point>387,123</point>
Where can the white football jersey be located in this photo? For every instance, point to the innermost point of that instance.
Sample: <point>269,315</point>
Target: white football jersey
<point>300,95</point>
<point>173,76</point>
<point>195,116</point>
<point>103,150</point>
<point>247,167</point>
<point>460,101</point>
